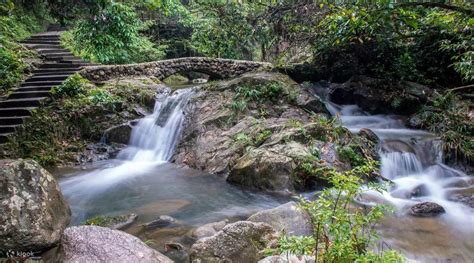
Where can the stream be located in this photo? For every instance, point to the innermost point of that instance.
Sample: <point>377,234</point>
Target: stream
<point>142,181</point>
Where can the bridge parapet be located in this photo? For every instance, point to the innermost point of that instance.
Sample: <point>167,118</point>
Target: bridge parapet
<point>216,68</point>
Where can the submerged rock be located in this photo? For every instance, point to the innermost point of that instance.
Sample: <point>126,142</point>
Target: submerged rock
<point>161,221</point>
<point>113,222</point>
<point>99,244</point>
<point>287,218</point>
<point>426,209</point>
<point>33,212</point>
<point>242,241</point>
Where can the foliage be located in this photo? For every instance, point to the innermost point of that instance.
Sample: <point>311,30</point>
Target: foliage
<point>16,23</point>
<point>223,29</point>
<point>72,86</point>
<point>342,232</point>
<point>449,117</point>
<point>260,93</point>
<point>60,131</point>
<point>112,36</point>
<point>349,154</point>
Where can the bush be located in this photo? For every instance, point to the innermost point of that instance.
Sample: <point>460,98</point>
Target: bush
<point>112,36</point>
<point>341,233</point>
<point>72,86</point>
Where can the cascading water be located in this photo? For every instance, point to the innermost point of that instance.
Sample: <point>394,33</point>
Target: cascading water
<point>152,143</point>
<point>412,160</point>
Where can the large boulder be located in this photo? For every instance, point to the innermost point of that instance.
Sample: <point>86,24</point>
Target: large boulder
<point>119,134</point>
<point>33,212</point>
<point>208,230</point>
<point>287,218</point>
<point>99,244</point>
<point>242,241</point>
<point>269,168</point>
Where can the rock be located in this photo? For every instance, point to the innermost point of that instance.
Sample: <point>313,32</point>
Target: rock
<point>369,135</point>
<point>95,152</point>
<point>208,230</point>
<point>160,222</point>
<point>99,244</point>
<point>426,209</point>
<point>397,146</point>
<point>113,222</point>
<point>269,169</point>
<point>33,212</point>
<point>287,218</point>
<point>288,259</point>
<point>176,251</point>
<point>311,102</point>
<point>379,95</point>
<point>119,134</point>
<point>242,241</point>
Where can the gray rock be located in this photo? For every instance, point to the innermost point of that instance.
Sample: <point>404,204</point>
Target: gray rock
<point>208,230</point>
<point>269,169</point>
<point>99,244</point>
<point>242,241</point>
<point>33,212</point>
<point>287,218</point>
<point>119,134</point>
<point>426,209</point>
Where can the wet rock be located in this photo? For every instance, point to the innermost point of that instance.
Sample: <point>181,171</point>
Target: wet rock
<point>311,103</point>
<point>397,146</point>
<point>379,95</point>
<point>95,152</point>
<point>418,191</point>
<point>176,251</point>
<point>287,218</point>
<point>119,134</point>
<point>369,135</point>
<point>464,195</point>
<point>242,241</point>
<point>426,209</point>
<point>210,229</point>
<point>99,244</point>
<point>269,169</point>
<point>113,222</point>
<point>160,222</point>
<point>33,212</point>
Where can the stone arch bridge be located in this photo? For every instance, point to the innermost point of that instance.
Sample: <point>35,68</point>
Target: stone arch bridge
<point>214,67</point>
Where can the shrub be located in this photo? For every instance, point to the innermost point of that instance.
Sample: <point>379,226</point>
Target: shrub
<point>72,86</point>
<point>112,36</point>
<point>341,233</point>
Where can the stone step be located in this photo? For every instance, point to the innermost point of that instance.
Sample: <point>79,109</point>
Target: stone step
<point>46,88</point>
<point>43,46</point>
<point>4,137</point>
<point>16,112</point>
<point>48,78</point>
<point>7,128</point>
<point>18,103</point>
<point>57,54</point>
<point>29,94</point>
<point>46,51</point>
<point>43,38</point>
<point>53,72</point>
<point>58,65</point>
<point>41,83</point>
<point>12,120</point>
<point>39,41</point>
<point>63,58</point>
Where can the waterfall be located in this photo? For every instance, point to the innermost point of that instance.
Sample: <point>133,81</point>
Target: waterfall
<point>152,143</point>
<point>154,138</point>
<point>413,163</point>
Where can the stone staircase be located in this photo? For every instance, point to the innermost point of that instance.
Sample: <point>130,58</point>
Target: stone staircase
<point>58,65</point>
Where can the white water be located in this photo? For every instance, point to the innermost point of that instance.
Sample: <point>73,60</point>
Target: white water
<point>418,176</point>
<point>152,143</point>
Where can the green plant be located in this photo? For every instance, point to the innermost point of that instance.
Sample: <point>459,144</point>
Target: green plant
<point>72,86</point>
<point>342,232</point>
<point>349,154</point>
<point>112,35</point>
<point>262,136</point>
